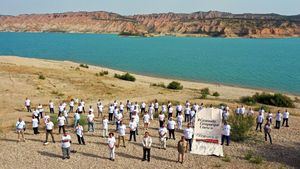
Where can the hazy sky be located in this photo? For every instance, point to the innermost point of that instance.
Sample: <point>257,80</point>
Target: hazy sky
<point>129,7</point>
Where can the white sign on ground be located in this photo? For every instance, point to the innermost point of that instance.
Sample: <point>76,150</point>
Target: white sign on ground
<point>207,132</point>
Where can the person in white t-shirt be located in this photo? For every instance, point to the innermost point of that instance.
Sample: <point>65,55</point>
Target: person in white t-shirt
<point>71,105</point>
<point>259,122</point>
<point>146,120</point>
<point>66,115</point>
<point>188,135</point>
<point>20,128</point>
<point>128,105</point>
<point>111,141</point>
<point>35,125</point>
<point>111,112</point>
<point>270,117</point>
<point>79,133</point>
<point>151,111</point>
<point>65,145</point>
<point>187,115</point>
<point>179,120</point>
<point>178,109</point>
<point>118,118</point>
<point>286,118</point>
<point>121,108</point>
<point>105,127</point>
<point>161,118</point>
<point>170,112</point>
<point>49,130</point>
<point>51,106</point>
<point>132,127</point>
<point>121,131</point>
<point>162,131</point>
<point>61,109</point>
<point>156,106</point>
<point>171,127</point>
<point>82,103</point>
<point>61,123</point>
<point>76,118</point>
<point>91,123</point>
<point>250,112</point>
<point>100,108</point>
<point>115,103</point>
<point>262,111</point>
<point>163,108</point>
<point>143,107</point>
<point>226,133</point>
<point>35,113</point>
<point>41,110</point>
<point>278,119</point>
<point>27,104</point>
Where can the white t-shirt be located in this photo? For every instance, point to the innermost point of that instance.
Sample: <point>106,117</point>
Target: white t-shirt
<point>111,142</point>
<point>80,108</point>
<point>90,117</point>
<point>20,125</point>
<point>51,105</point>
<point>121,107</point>
<point>171,110</point>
<point>71,104</point>
<point>100,107</point>
<point>119,117</point>
<point>79,131</point>
<point>82,103</point>
<point>260,118</point>
<point>161,117</point>
<point>65,141</point>
<point>146,118</point>
<point>286,115</point>
<point>278,117</point>
<point>187,110</point>
<point>91,110</point>
<point>192,113</point>
<point>143,105</point>
<point>36,113</point>
<point>156,105</point>
<point>27,102</point>
<point>105,124</point>
<point>171,124</point>
<point>132,125</point>
<point>46,118</point>
<point>164,108</point>
<point>61,108</point>
<point>35,123</point>
<point>111,109</point>
<point>180,118</point>
<point>188,133</point>
<point>226,130</point>
<point>179,108</point>
<point>61,120</point>
<point>162,132</point>
<point>66,113</point>
<point>49,125</point>
<point>122,130</point>
<point>76,116</point>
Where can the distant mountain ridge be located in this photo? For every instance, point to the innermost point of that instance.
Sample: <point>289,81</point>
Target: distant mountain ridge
<point>211,23</point>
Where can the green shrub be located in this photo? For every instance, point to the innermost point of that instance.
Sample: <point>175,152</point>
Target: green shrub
<point>276,99</point>
<point>126,76</point>
<point>205,91</point>
<point>83,120</point>
<point>226,158</point>
<point>42,77</point>
<point>102,73</point>
<point>240,127</point>
<point>53,118</point>
<point>175,86</point>
<point>248,155</point>
<point>84,65</point>
<point>248,100</point>
<point>158,85</point>
<point>216,94</point>
<point>256,159</point>
<point>203,96</point>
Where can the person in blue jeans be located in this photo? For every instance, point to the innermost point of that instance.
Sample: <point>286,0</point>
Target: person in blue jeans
<point>226,134</point>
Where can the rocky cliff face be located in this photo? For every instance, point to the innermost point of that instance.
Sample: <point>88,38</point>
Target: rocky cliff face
<point>212,23</point>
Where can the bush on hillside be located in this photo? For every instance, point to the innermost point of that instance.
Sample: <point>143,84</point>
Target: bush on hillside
<point>42,77</point>
<point>240,127</point>
<point>205,91</point>
<point>158,85</point>
<point>84,66</point>
<point>102,73</point>
<point>248,100</point>
<point>216,94</point>
<point>175,86</point>
<point>126,76</point>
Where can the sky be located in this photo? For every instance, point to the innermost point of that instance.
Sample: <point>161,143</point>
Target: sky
<point>130,7</point>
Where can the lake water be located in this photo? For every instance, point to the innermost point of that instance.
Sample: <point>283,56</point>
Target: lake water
<point>258,63</point>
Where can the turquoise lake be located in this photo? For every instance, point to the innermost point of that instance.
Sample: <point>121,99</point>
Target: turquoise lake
<point>257,63</point>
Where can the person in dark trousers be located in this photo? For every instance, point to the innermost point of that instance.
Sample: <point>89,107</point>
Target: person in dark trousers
<point>147,142</point>
<point>285,118</point>
<point>27,104</point>
<point>79,133</point>
<point>259,121</point>
<point>267,130</point>
<point>226,134</point>
<point>188,135</point>
<point>278,119</point>
<point>132,127</point>
<point>171,128</point>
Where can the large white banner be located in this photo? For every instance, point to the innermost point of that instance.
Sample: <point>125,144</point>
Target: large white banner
<point>207,132</point>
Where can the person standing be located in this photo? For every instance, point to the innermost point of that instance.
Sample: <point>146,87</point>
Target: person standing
<point>179,120</point>
<point>187,117</point>
<point>170,111</point>
<point>121,108</point>
<point>118,118</point>
<point>61,109</point>
<point>51,106</point>
<point>122,131</point>
<point>35,125</point>
<point>79,133</point>
<point>110,112</point>
<point>132,127</point>
<point>270,117</point>
<point>161,118</point>
<point>136,118</point>
<point>182,149</point>
<point>82,103</point>
<point>147,142</point>
<point>188,135</point>
<point>27,104</point>
<point>171,128</point>
<point>278,119</point>
<point>151,111</point>
<point>76,118</point>
<point>65,145</point>
<point>286,118</point>
<point>61,123</point>
<point>100,108</point>
<point>143,107</point>
<point>49,130</point>
<point>163,137</point>
<point>105,127</point>
<point>226,134</point>
<point>71,105</point>
<point>91,123</point>
<point>111,141</point>
<point>146,120</point>
<point>20,128</point>
<point>267,130</point>
<point>41,110</point>
<point>259,121</point>
<point>156,106</point>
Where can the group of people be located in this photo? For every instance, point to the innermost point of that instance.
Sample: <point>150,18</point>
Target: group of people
<point>169,120</point>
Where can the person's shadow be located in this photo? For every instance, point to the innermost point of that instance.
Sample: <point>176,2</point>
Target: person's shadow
<point>48,154</point>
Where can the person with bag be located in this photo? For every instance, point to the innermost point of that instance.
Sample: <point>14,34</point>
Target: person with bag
<point>20,129</point>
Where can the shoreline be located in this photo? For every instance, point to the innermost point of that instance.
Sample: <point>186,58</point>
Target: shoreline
<point>144,77</point>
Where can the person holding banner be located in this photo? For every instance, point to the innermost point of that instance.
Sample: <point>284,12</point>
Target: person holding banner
<point>188,135</point>
<point>182,148</point>
<point>226,133</point>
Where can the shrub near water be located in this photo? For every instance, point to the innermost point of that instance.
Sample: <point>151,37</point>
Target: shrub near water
<point>126,76</point>
<point>240,127</point>
<point>175,86</point>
